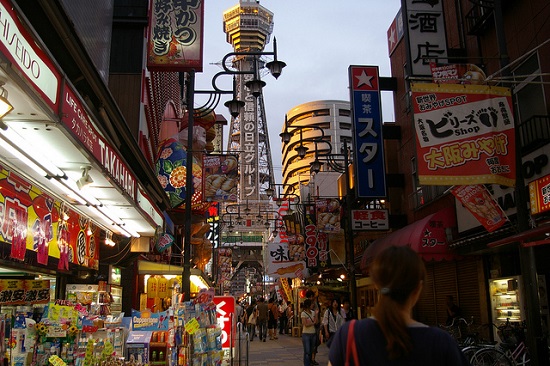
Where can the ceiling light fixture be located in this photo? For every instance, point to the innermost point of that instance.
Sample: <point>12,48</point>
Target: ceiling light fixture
<point>5,105</point>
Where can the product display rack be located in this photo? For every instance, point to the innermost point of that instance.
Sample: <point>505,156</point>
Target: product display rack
<point>198,336</point>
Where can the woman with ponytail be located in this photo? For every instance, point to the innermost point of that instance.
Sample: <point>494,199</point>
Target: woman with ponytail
<point>392,336</point>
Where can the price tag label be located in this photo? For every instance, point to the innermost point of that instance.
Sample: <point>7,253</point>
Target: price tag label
<point>192,326</point>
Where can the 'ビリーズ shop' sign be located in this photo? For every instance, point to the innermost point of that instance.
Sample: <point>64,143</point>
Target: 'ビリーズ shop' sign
<point>465,134</point>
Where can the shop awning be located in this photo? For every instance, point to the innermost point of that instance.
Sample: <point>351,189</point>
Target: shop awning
<point>153,268</point>
<point>427,236</point>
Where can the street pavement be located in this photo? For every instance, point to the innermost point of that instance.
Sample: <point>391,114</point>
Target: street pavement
<point>286,350</point>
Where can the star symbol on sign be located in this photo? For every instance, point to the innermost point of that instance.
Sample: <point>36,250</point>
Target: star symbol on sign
<point>364,79</point>
<point>392,38</point>
<point>427,233</point>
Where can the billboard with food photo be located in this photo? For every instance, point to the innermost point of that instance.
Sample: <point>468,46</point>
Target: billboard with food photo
<point>465,134</point>
<point>221,178</point>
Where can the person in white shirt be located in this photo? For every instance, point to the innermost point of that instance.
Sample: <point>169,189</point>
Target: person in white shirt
<point>309,322</point>
<point>332,320</point>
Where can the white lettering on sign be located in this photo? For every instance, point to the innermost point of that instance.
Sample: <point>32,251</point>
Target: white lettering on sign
<point>113,164</point>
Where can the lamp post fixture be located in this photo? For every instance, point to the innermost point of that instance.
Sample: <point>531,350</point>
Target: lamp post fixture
<point>332,161</point>
<point>234,105</point>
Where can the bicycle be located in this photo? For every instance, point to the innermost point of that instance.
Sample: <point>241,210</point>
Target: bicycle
<point>511,351</point>
<point>475,342</point>
<point>457,328</point>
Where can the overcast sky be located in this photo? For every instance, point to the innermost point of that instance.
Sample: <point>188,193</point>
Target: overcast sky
<point>318,40</point>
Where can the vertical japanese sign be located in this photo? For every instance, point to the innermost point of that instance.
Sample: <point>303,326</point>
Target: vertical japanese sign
<point>316,242</point>
<point>369,165</point>
<point>478,200</point>
<point>175,35</point>
<point>425,27</point>
<point>249,178</point>
<point>465,134</point>
<point>225,306</point>
<point>285,259</point>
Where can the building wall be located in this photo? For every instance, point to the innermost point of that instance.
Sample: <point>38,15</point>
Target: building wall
<point>333,117</point>
<point>526,28</point>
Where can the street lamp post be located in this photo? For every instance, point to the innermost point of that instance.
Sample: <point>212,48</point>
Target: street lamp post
<point>275,67</point>
<point>331,159</point>
<point>349,244</point>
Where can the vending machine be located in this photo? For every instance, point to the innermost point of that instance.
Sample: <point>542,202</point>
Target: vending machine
<point>507,301</point>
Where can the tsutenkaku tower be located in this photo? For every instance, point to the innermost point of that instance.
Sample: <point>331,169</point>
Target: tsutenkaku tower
<point>248,26</point>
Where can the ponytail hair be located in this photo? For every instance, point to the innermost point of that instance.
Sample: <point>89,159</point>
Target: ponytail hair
<point>397,272</point>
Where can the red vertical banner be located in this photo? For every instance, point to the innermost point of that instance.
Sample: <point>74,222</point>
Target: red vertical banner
<point>479,202</point>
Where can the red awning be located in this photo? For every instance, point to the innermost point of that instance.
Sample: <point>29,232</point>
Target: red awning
<point>426,236</point>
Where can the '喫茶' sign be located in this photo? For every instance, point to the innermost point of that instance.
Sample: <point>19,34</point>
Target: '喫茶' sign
<point>367,123</point>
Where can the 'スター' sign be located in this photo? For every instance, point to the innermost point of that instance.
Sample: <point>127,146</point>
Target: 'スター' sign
<point>367,124</point>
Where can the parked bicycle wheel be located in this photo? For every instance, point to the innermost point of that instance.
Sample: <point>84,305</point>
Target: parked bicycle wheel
<point>491,357</point>
<point>470,351</point>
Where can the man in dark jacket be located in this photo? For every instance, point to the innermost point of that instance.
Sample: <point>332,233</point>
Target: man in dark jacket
<point>262,318</point>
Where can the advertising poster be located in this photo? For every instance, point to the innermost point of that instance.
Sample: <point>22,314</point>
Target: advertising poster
<point>329,215</point>
<point>32,220</point>
<point>539,193</point>
<point>23,292</point>
<point>478,200</point>
<point>456,73</point>
<point>465,134</point>
<point>283,258</point>
<point>175,39</point>
<point>221,178</point>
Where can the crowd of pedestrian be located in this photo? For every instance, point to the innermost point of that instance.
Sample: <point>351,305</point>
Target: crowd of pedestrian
<point>270,318</point>
<point>265,320</point>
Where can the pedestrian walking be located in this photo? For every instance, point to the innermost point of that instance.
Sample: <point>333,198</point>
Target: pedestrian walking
<point>332,320</point>
<point>310,294</point>
<point>309,322</point>
<point>251,316</point>
<point>273,316</point>
<point>347,310</point>
<point>393,337</point>
<point>283,319</point>
<point>262,319</point>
